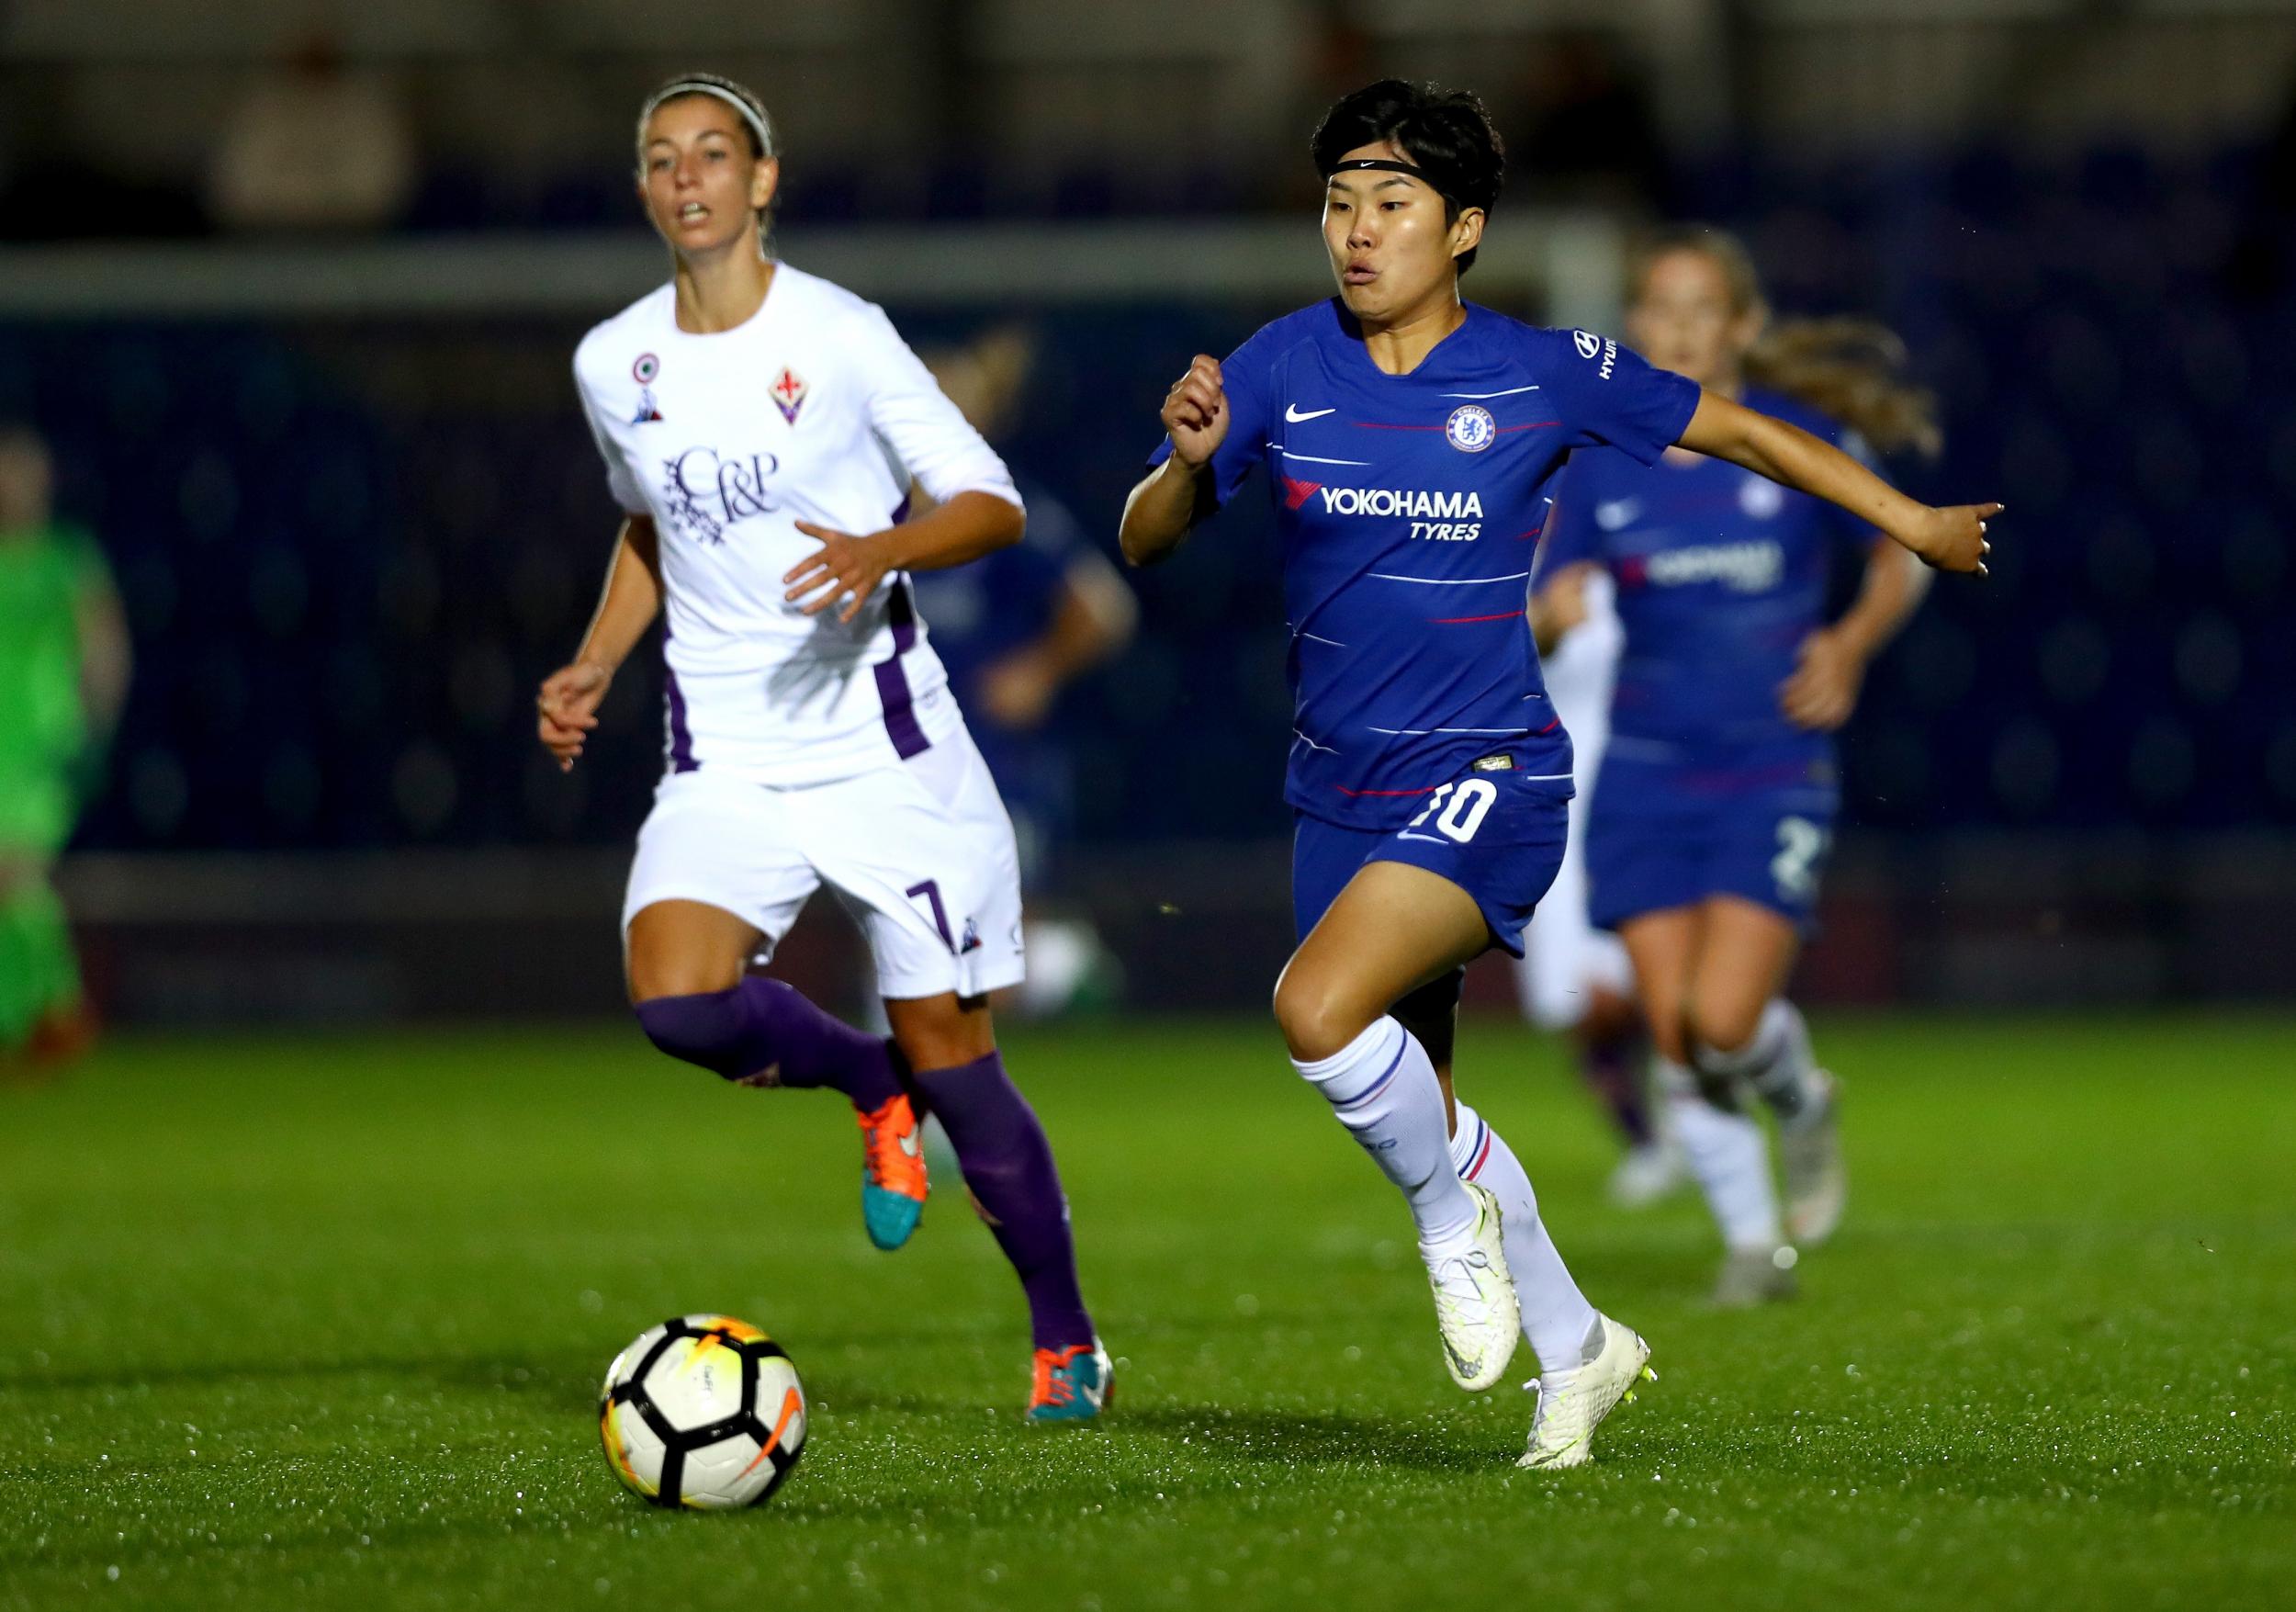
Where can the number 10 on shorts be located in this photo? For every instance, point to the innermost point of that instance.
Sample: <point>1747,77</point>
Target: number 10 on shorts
<point>1459,809</point>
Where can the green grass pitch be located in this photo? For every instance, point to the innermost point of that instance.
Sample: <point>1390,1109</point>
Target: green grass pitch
<point>316,1322</point>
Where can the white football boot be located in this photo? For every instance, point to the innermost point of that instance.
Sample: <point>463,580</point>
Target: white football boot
<point>1809,1155</point>
<point>1754,1276</point>
<point>1648,1173</point>
<point>1475,1303</point>
<point>1572,1403</point>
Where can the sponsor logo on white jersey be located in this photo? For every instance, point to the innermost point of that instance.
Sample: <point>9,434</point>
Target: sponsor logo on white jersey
<point>704,493</point>
<point>1743,568</point>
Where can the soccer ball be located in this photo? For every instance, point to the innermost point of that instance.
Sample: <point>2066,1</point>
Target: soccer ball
<point>703,1412</point>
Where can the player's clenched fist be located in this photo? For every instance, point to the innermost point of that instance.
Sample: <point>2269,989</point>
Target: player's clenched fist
<point>1952,539</point>
<point>1196,412</point>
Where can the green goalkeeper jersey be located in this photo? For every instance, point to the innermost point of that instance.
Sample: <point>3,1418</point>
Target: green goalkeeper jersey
<point>44,577</point>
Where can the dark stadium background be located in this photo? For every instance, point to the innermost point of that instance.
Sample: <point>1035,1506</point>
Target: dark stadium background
<point>355,515</point>
<point>310,1267</point>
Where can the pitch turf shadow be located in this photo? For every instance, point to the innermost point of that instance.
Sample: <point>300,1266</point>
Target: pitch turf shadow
<point>1216,1434</point>
<point>1310,1437</point>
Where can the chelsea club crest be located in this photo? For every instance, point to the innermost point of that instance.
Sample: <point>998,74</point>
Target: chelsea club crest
<point>1470,429</point>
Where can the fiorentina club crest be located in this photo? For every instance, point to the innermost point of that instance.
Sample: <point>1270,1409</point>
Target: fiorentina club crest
<point>789,393</point>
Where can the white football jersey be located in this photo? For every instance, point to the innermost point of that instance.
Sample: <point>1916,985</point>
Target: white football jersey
<point>813,410</point>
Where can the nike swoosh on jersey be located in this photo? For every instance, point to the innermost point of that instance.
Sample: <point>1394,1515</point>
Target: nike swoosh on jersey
<point>1292,413</point>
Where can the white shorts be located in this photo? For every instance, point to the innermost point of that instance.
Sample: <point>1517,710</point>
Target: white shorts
<point>920,852</point>
<point>1564,957</point>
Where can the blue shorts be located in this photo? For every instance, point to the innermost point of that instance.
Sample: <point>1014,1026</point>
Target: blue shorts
<point>1498,836</point>
<point>1667,833</point>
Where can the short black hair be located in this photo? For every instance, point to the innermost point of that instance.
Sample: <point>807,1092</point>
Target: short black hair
<point>1446,132</point>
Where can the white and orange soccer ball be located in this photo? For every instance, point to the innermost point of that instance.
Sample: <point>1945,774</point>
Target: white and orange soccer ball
<point>703,1412</point>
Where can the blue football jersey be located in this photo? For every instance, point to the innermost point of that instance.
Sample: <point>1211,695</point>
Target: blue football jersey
<point>1721,574</point>
<point>977,613</point>
<point>1411,507</point>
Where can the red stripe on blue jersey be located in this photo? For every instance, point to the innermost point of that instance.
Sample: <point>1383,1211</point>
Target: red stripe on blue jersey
<point>1400,500</point>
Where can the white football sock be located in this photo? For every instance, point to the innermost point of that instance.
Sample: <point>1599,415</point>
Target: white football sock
<point>1777,1062</point>
<point>1557,1319</point>
<point>1730,1157</point>
<point>1384,1091</point>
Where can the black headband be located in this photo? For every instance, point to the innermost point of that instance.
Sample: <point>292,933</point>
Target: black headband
<point>1388,164</point>
<point>1384,163</point>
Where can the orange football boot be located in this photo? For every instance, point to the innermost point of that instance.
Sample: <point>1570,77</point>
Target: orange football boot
<point>893,1171</point>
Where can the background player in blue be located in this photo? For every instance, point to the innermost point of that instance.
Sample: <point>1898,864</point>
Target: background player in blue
<point>1410,439</point>
<point>1714,807</point>
<point>1015,629</point>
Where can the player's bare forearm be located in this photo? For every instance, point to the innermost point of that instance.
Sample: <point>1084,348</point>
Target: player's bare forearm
<point>1792,456</point>
<point>1951,538</point>
<point>1082,634</point>
<point>968,527</point>
<point>631,599</point>
<point>1168,501</point>
<point>1547,625</point>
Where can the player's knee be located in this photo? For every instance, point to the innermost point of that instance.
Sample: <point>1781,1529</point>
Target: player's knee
<point>702,1026</point>
<point>656,972</point>
<point>1318,1022</point>
<point>1720,1025</point>
<point>941,1033</point>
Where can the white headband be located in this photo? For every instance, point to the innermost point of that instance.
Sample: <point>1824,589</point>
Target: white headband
<point>700,87</point>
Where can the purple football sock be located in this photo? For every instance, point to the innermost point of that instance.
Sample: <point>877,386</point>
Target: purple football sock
<point>1008,1165</point>
<point>1612,1068</point>
<point>763,1033</point>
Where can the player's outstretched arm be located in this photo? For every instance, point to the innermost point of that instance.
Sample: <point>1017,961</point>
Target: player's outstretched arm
<point>1179,494</point>
<point>1952,539</point>
<point>566,704</point>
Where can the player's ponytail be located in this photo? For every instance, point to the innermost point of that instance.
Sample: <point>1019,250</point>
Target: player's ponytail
<point>1851,370</point>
